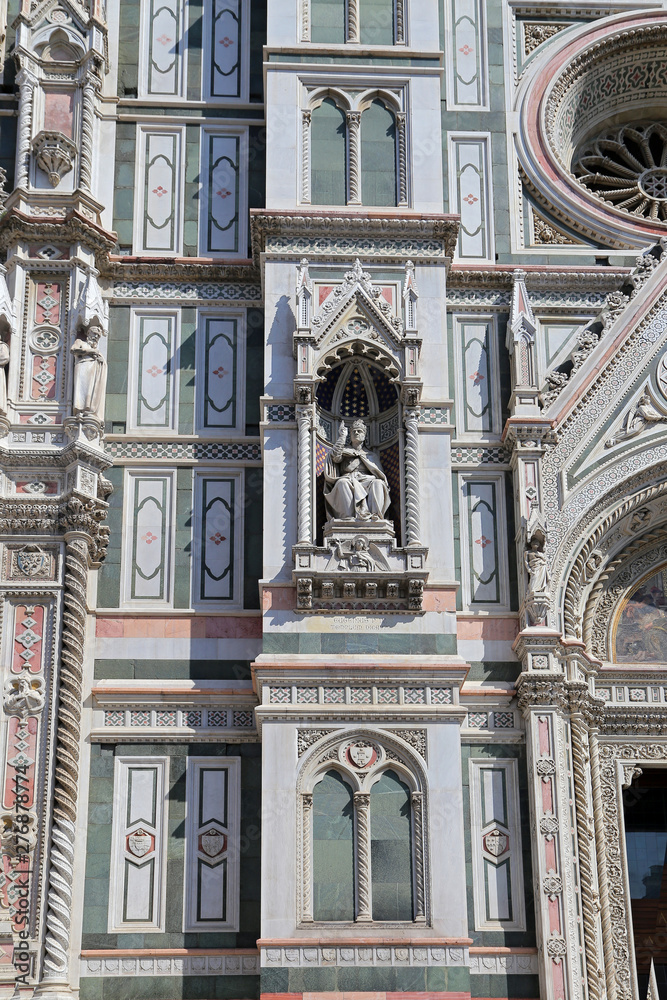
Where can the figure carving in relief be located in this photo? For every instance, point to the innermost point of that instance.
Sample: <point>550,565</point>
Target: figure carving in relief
<point>89,373</point>
<point>640,416</point>
<point>358,555</point>
<point>356,488</point>
<point>4,362</point>
<point>535,561</point>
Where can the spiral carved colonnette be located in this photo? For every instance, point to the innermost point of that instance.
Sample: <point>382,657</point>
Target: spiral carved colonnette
<point>306,862</point>
<point>362,802</point>
<point>417,819</point>
<point>353,131</point>
<point>580,759</point>
<point>26,88</point>
<point>412,505</point>
<point>304,420</point>
<point>87,124</point>
<point>59,899</point>
<point>603,885</point>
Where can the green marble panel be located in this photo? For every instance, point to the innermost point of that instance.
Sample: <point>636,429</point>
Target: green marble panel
<point>333,857</point>
<point>391,850</point>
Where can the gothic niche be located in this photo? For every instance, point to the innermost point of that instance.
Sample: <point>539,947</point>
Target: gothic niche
<point>357,415</point>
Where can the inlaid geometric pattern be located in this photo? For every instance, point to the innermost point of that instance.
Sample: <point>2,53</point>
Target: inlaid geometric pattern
<point>165,20</point>
<point>223,52</point>
<point>221,169</point>
<point>187,450</point>
<point>326,389</point>
<point>155,372</point>
<point>151,513</point>
<point>161,208</point>
<point>385,390</point>
<point>220,346</point>
<point>354,402</point>
<point>216,539</point>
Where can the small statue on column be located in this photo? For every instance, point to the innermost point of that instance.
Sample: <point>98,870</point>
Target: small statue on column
<point>4,369</point>
<point>90,373</point>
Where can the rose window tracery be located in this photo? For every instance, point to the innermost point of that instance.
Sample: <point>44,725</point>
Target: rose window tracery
<point>627,167</point>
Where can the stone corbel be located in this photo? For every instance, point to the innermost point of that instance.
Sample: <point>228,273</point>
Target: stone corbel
<point>54,154</point>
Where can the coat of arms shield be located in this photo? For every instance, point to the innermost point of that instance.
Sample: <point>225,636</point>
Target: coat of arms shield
<point>213,843</point>
<point>139,843</point>
<point>30,563</point>
<point>496,843</point>
<point>361,755</point>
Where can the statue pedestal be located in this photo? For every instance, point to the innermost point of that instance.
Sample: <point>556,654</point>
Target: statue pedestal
<point>359,569</point>
<point>346,529</point>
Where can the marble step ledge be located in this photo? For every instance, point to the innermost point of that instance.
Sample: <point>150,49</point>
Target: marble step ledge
<point>448,953</point>
<point>177,962</point>
<point>369,953</point>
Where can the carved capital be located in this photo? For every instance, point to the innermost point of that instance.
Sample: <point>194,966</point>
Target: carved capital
<point>540,690</point>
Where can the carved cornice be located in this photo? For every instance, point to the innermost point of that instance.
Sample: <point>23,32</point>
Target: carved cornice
<point>17,227</point>
<point>74,513</point>
<point>604,279</point>
<point>137,269</point>
<point>642,720</point>
<point>296,227</point>
<point>38,458</point>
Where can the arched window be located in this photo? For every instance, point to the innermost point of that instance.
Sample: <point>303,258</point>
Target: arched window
<point>391,849</point>
<point>363,852</point>
<point>376,22</point>
<point>378,156</point>
<point>333,849</point>
<point>328,146</point>
<point>327,21</point>
<point>369,22</point>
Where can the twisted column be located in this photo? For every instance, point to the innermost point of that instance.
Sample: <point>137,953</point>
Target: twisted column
<point>352,32</point>
<point>306,857</point>
<point>61,855</point>
<point>417,799</point>
<point>412,501</point>
<point>401,127</point>
<point>603,885</point>
<point>362,807</point>
<point>87,133</point>
<point>354,157</point>
<point>26,83</point>
<point>305,20</point>
<point>580,761</point>
<point>305,156</point>
<point>400,22</point>
<point>304,423</point>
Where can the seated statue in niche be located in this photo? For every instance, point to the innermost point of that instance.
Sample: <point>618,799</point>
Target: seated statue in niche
<point>356,488</point>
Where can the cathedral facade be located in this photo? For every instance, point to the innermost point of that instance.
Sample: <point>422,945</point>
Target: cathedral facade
<point>333,499</point>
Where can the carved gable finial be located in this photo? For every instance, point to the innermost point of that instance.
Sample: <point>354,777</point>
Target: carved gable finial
<point>521,346</point>
<point>410,297</point>
<point>304,295</point>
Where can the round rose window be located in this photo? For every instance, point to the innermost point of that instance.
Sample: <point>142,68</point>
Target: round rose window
<point>627,167</point>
